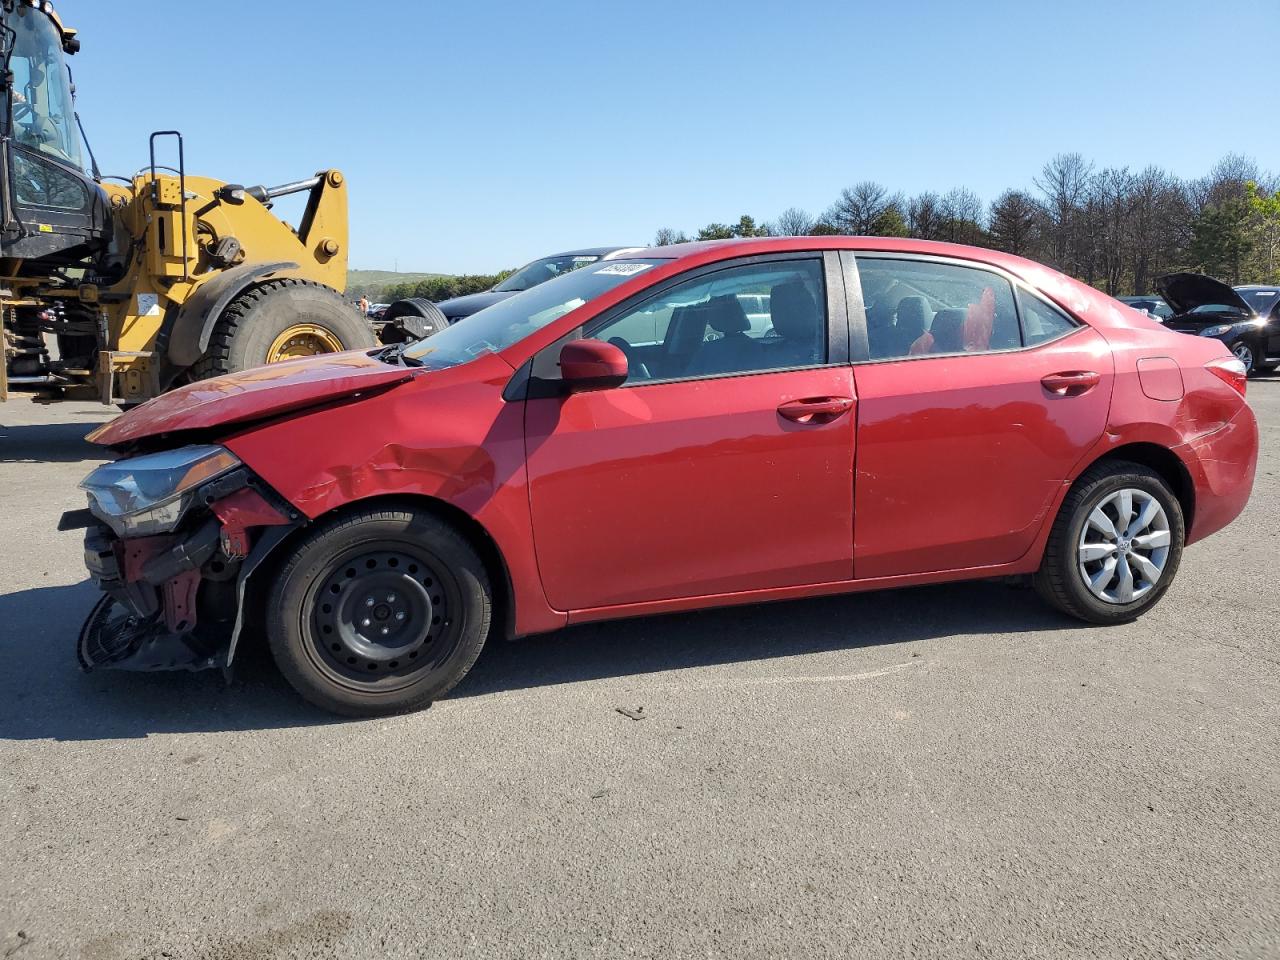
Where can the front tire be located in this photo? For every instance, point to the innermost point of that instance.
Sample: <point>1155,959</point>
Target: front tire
<point>1115,546</point>
<point>379,612</point>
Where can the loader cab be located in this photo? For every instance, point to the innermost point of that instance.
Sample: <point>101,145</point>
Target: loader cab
<point>54,212</point>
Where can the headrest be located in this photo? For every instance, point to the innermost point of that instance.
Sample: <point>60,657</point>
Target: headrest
<point>947,330</point>
<point>794,312</point>
<point>912,315</point>
<point>724,314</point>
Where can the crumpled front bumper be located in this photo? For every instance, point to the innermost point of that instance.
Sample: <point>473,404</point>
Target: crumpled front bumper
<point>175,601</point>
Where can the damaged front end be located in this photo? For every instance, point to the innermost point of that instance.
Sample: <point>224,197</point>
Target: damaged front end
<point>172,538</point>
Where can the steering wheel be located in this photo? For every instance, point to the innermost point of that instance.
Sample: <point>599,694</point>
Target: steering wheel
<point>635,368</point>
<point>21,110</point>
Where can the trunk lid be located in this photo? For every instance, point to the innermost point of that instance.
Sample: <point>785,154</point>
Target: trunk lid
<point>255,394</point>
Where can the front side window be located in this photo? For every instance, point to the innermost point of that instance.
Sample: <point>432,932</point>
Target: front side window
<point>43,116</point>
<point>918,308</point>
<point>756,317</point>
<point>540,271</point>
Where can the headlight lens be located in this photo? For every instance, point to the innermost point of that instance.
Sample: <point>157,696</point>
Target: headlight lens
<point>140,496</point>
<point>1217,331</point>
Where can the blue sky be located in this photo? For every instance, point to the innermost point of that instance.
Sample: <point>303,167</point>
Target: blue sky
<point>476,135</point>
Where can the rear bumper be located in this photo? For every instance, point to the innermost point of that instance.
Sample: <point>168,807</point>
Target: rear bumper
<point>1222,466</point>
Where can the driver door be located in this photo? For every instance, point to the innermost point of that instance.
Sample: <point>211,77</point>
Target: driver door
<point>723,464</point>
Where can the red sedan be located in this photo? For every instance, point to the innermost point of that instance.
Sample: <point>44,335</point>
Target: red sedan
<point>692,426</point>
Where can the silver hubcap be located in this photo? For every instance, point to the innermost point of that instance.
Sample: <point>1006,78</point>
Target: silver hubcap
<point>1243,354</point>
<point>1124,546</point>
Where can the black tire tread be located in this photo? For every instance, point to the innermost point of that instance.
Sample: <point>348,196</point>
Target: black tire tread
<point>296,676</point>
<point>1050,581</point>
<point>217,358</point>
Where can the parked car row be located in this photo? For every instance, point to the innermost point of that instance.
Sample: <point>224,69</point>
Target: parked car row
<point>663,430</point>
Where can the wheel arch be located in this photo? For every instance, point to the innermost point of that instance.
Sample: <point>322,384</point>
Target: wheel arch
<point>1164,462</point>
<point>476,534</point>
<point>188,337</point>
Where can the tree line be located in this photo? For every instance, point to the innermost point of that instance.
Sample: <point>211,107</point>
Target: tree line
<point>1112,227</point>
<point>436,289</point>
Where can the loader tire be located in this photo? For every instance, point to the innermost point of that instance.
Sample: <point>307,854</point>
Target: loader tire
<point>412,319</point>
<point>281,320</point>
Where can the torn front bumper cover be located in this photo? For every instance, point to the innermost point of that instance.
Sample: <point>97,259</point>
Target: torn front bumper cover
<point>176,601</point>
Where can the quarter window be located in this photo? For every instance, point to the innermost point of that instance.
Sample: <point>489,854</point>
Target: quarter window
<point>765,316</point>
<point>920,308</point>
<point>1041,322</point>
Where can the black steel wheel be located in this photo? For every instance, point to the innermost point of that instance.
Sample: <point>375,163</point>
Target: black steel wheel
<point>379,612</point>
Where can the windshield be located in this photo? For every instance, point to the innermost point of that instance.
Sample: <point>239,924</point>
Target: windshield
<point>540,271</point>
<point>1260,300</point>
<point>43,115</point>
<point>509,321</point>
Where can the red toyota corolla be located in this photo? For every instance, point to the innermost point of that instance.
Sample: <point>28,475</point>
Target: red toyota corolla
<point>696,425</point>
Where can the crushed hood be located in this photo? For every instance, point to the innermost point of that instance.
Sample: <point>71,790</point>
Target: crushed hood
<point>253,395</point>
<point>1186,291</point>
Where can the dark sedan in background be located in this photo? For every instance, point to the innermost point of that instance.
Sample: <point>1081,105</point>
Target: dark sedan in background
<point>416,317</point>
<point>1246,319</point>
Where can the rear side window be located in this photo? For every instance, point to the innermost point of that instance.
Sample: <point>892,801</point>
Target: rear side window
<point>918,308</point>
<point>1040,321</point>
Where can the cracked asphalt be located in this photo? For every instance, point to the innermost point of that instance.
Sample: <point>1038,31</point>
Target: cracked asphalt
<point>951,771</point>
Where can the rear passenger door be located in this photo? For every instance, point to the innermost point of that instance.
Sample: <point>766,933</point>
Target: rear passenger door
<point>978,400</point>
<point>724,464</point>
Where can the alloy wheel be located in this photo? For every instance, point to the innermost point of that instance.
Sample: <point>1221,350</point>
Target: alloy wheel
<point>1124,546</point>
<point>1244,353</point>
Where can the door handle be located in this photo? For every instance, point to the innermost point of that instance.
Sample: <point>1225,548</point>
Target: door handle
<point>815,409</point>
<point>1072,383</point>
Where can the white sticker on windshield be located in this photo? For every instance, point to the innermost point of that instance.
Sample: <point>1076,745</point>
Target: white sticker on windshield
<point>622,269</point>
<point>1264,293</point>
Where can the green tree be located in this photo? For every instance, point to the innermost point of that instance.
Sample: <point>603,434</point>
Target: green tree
<point>1264,215</point>
<point>1220,239</point>
<point>716,231</point>
<point>746,227</point>
<point>890,223</point>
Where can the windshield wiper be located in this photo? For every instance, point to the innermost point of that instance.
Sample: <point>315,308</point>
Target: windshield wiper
<point>396,354</point>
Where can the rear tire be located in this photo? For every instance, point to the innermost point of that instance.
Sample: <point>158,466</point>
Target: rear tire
<point>255,328</point>
<point>1070,563</point>
<point>379,612</point>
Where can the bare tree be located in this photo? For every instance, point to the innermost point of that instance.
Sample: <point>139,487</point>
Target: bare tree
<point>962,214</point>
<point>860,207</point>
<point>666,236</point>
<point>792,222</point>
<point>925,218</point>
<point>1064,182</point>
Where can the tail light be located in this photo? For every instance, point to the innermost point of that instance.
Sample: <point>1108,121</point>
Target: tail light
<point>1230,371</point>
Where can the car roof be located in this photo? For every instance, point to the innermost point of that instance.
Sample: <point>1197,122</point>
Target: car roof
<point>587,252</point>
<point>1256,286</point>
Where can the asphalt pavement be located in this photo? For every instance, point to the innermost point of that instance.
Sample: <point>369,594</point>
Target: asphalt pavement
<point>948,771</point>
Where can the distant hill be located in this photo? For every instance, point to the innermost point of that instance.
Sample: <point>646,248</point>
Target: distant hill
<point>370,282</point>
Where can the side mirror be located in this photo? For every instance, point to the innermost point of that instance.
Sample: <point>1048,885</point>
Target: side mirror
<point>592,365</point>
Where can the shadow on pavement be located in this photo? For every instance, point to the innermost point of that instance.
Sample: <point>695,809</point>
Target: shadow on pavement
<point>49,442</point>
<point>43,694</point>
<point>760,632</point>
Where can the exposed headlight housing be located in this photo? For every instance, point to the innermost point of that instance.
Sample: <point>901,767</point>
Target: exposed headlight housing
<point>141,496</point>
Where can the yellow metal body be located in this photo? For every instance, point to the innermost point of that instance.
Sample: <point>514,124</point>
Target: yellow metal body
<point>159,277</point>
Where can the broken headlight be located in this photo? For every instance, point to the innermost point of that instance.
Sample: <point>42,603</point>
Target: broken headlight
<point>141,496</point>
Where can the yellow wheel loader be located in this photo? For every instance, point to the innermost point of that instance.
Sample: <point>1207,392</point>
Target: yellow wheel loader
<point>118,289</point>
